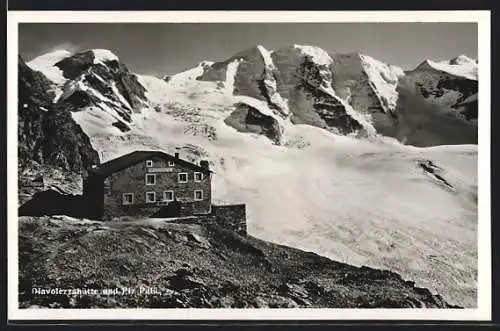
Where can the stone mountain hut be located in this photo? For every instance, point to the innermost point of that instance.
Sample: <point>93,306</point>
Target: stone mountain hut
<point>149,184</point>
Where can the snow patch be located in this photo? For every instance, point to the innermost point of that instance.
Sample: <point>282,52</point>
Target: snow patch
<point>270,83</point>
<point>231,70</point>
<point>190,74</point>
<point>46,64</point>
<point>266,56</point>
<point>472,98</point>
<point>103,55</point>
<point>120,96</point>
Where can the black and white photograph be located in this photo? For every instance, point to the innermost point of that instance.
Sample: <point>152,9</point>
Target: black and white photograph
<point>266,166</point>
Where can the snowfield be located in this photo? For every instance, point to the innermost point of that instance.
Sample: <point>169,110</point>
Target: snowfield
<point>462,66</point>
<point>364,202</point>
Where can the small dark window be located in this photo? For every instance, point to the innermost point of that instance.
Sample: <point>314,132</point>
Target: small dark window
<point>183,177</point>
<point>198,195</point>
<point>150,179</point>
<point>150,197</point>
<point>198,176</point>
<point>168,196</point>
<point>149,163</point>
<point>128,198</point>
<point>171,163</point>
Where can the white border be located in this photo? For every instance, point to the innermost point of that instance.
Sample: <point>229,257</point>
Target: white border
<point>482,312</point>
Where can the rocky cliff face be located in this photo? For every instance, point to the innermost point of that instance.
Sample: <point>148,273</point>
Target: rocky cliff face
<point>47,134</point>
<point>306,82</point>
<point>452,85</point>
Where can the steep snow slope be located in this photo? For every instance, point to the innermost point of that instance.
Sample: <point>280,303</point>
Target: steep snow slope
<point>368,84</point>
<point>359,201</point>
<point>385,81</point>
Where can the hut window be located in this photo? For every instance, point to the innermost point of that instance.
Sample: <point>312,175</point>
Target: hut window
<point>171,163</point>
<point>168,196</point>
<point>198,176</point>
<point>150,179</point>
<point>183,177</point>
<point>107,187</point>
<point>149,163</point>
<point>128,198</point>
<point>150,197</point>
<point>198,195</point>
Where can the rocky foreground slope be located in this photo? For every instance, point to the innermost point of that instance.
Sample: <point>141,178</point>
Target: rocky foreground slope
<point>189,264</point>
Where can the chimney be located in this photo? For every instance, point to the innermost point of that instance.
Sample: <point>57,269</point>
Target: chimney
<point>204,164</point>
<point>176,155</point>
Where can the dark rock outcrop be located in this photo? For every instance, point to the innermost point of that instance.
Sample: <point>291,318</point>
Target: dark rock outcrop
<point>47,133</point>
<point>247,119</point>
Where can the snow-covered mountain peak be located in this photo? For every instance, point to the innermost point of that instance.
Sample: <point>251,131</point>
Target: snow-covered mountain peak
<point>318,55</point>
<point>461,59</point>
<point>461,66</point>
<point>103,55</point>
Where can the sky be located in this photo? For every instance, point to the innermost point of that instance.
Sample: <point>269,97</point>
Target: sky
<point>168,48</point>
